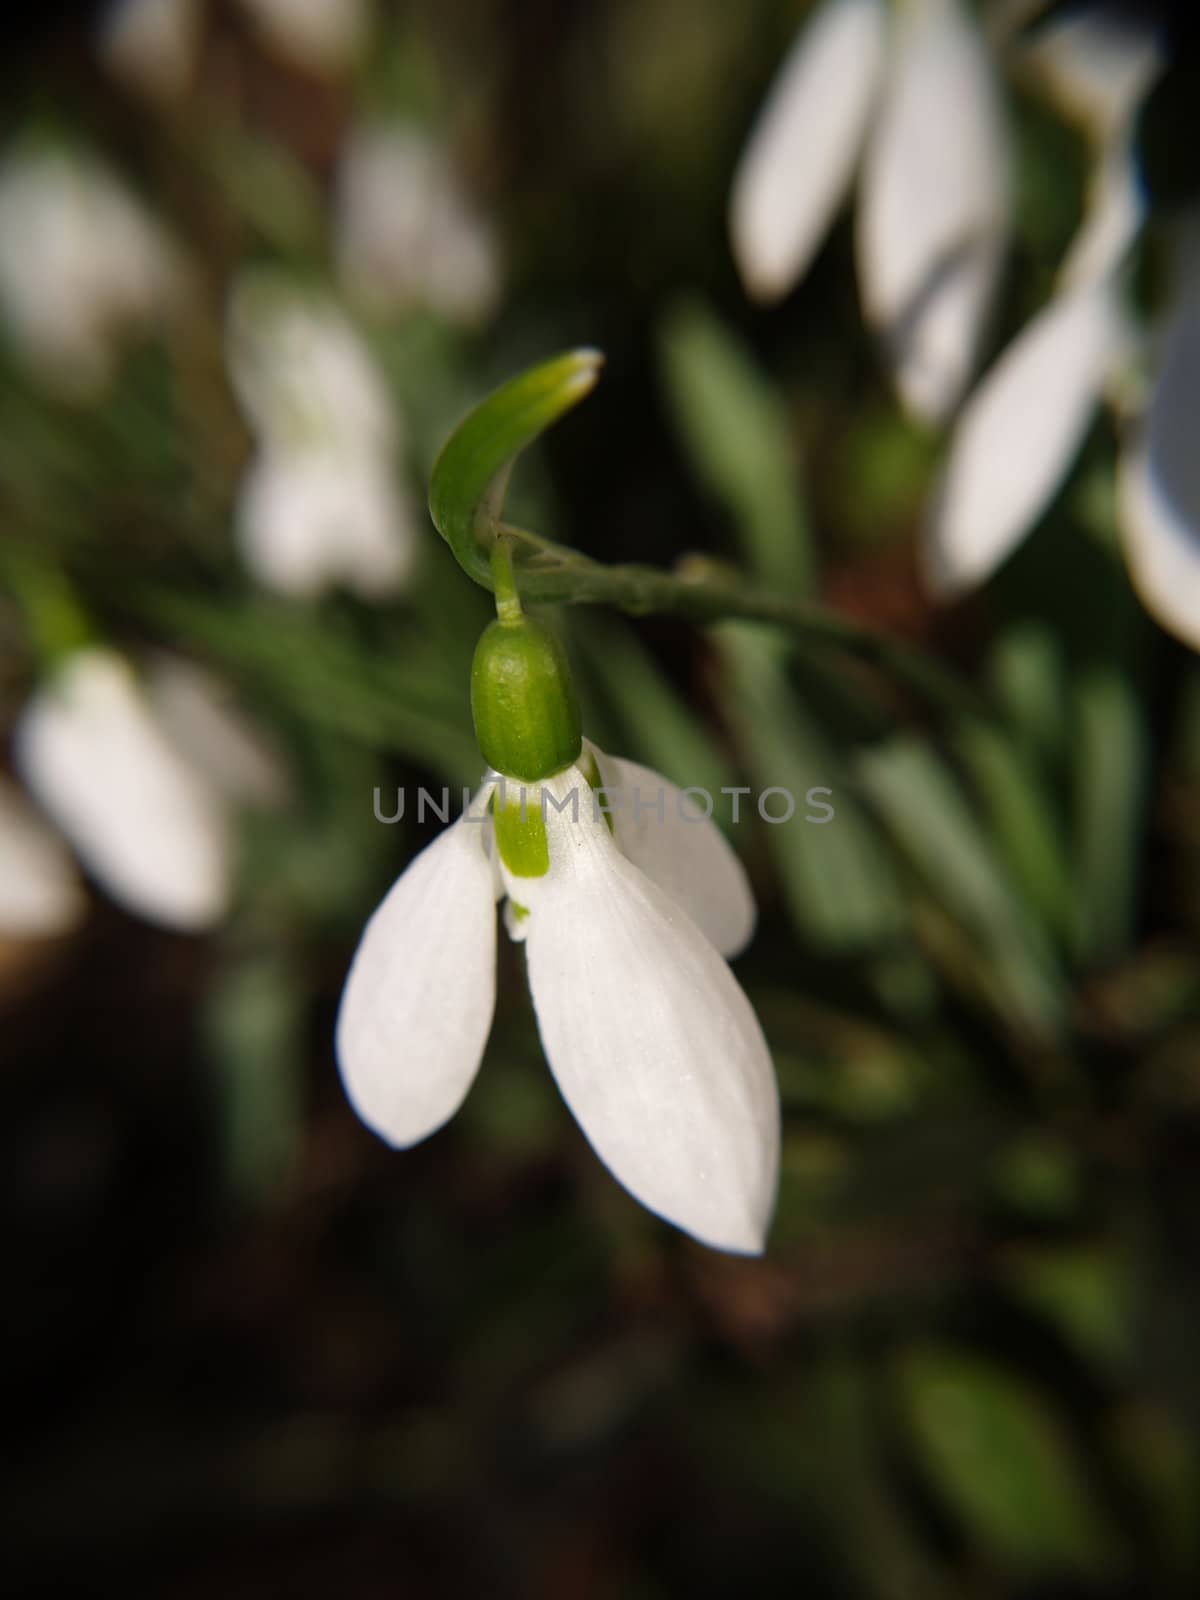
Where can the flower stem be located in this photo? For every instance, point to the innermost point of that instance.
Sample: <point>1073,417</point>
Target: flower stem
<point>704,591</point>
<point>504,582</point>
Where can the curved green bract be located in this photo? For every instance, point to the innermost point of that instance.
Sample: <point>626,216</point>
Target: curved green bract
<point>476,456</point>
<point>465,497</point>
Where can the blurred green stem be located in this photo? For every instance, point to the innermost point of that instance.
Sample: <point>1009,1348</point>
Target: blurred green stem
<point>466,493</point>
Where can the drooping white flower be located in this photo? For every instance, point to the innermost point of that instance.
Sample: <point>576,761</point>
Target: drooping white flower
<point>802,151</point>
<point>1024,424</point>
<point>40,892</point>
<point>323,36</point>
<point>301,372</point>
<point>310,520</point>
<point>651,1040</point>
<point>922,96</point>
<point>320,503</point>
<point>1022,428</point>
<point>202,720</point>
<point>150,45</point>
<point>1158,477</point>
<point>82,265</point>
<point>149,827</point>
<point>934,208</point>
<point>141,777</point>
<point>408,235</point>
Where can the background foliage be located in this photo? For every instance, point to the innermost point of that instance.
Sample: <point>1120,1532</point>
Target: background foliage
<point>247,1347</point>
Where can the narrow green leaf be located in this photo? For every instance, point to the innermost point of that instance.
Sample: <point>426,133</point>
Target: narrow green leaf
<point>926,812</point>
<point>1086,1293</point>
<point>253,1027</point>
<point>836,875</point>
<point>1002,1463</point>
<point>1111,753</point>
<point>735,428</point>
<point>1026,676</point>
<point>1021,819</point>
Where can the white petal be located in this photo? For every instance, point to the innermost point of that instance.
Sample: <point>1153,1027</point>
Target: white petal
<point>1113,215</point>
<point>934,205</point>
<point>1018,436</point>
<point>147,826</point>
<point>1159,488</point>
<point>40,892</point>
<point>307,521</point>
<point>150,45</point>
<point>200,718</point>
<point>802,151</point>
<point>323,36</point>
<point>418,1001</point>
<point>407,233</point>
<point>668,835</point>
<point>305,379</point>
<point>81,262</point>
<point>652,1042</point>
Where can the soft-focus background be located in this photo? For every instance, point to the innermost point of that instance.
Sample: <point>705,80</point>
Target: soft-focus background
<point>247,1349</point>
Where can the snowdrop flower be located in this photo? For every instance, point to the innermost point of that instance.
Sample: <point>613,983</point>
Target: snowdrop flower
<point>322,36</point>
<point>147,805</point>
<point>320,503</point>
<point>81,264</point>
<point>200,718</point>
<point>918,98</point>
<point>1158,473</point>
<point>407,233</point>
<point>40,893</point>
<point>1021,431</point>
<point>1023,426</point>
<point>150,45</point>
<point>651,1040</point>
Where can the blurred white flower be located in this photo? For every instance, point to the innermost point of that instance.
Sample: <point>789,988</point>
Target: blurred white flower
<point>650,1038</point>
<point>407,233</point>
<point>40,892</point>
<point>150,828</point>
<point>201,719</point>
<point>323,36</point>
<point>81,265</point>
<point>150,45</point>
<point>310,520</point>
<point>140,777</point>
<point>919,98</point>
<point>1158,477</point>
<point>1022,429</point>
<point>320,503</point>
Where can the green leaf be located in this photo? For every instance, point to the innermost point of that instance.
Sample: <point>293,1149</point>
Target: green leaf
<point>735,428</point>
<point>926,812</point>
<point>1111,753</point>
<point>1026,676</point>
<point>253,1026</point>
<point>836,876</point>
<point>1021,820</point>
<point>1001,1461</point>
<point>411,698</point>
<point>468,476</point>
<point>1038,1177</point>
<point>1085,1292</point>
<point>1154,1452</point>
